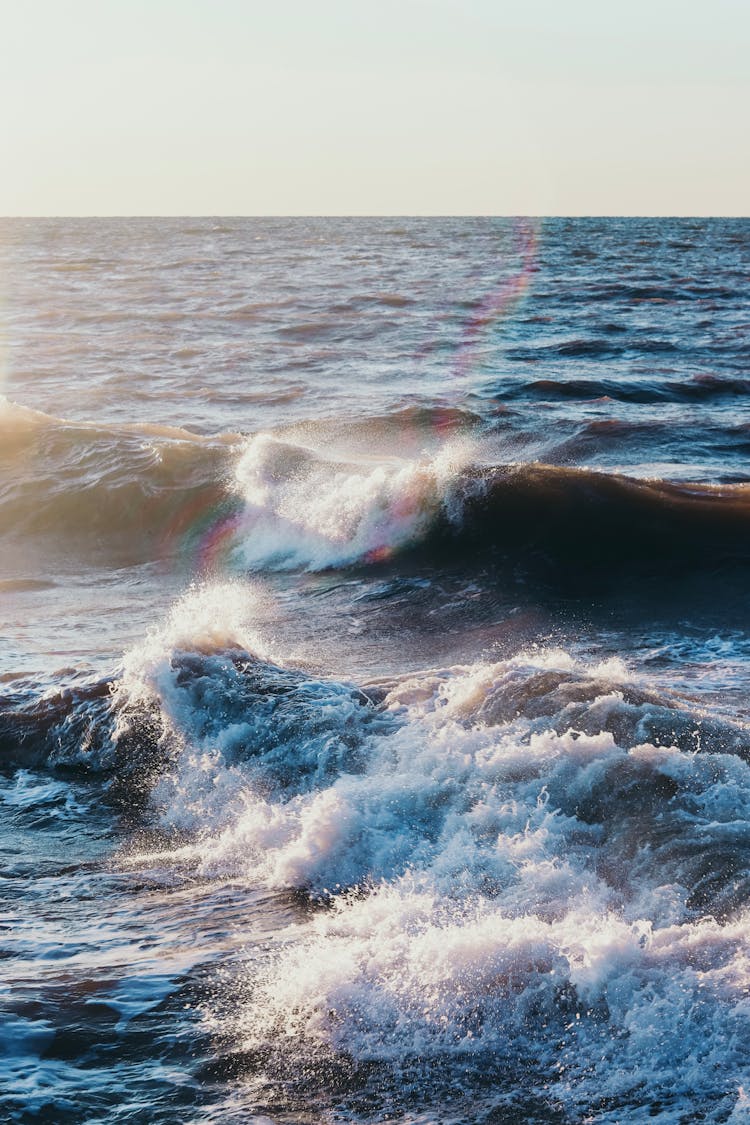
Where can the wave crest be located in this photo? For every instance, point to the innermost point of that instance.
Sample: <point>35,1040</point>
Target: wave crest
<point>302,510</point>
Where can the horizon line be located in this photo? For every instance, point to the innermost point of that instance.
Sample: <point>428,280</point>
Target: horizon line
<point>383,215</point>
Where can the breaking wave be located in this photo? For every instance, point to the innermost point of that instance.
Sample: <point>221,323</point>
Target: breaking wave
<point>302,510</point>
<point>532,856</point>
<point>282,504</point>
<point>537,855</point>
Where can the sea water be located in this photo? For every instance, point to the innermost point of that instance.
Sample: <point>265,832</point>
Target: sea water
<point>374,725</point>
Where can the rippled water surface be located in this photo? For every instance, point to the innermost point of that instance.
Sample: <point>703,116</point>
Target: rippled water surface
<point>374,727</point>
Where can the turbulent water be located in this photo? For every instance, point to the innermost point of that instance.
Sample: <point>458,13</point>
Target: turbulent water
<point>374,724</point>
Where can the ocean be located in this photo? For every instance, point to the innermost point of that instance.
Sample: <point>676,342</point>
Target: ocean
<point>374,715</point>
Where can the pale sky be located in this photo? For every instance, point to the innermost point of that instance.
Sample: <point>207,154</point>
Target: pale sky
<point>341,107</point>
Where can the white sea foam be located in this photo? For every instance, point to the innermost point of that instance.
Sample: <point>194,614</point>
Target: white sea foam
<point>208,618</point>
<point>304,511</point>
<point>528,867</point>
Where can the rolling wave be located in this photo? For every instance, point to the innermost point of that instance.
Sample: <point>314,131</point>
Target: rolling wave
<point>282,504</point>
<point>701,388</point>
<point>304,511</point>
<point>83,484</point>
